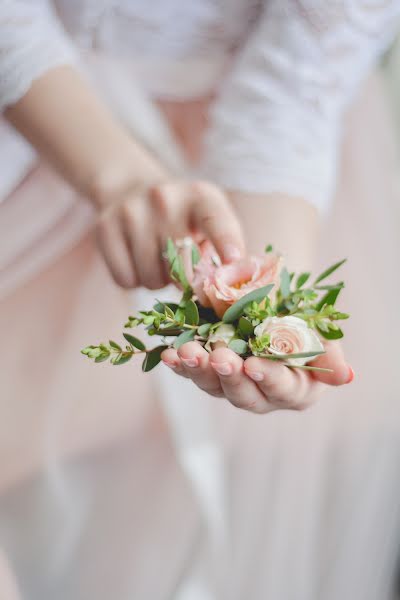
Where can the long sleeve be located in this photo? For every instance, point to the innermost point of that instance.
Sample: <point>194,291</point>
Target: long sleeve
<point>276,125</point>
<point>32,41</point>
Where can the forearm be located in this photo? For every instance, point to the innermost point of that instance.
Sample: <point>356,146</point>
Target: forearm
<point>290,224</point>
<point>65,121</point>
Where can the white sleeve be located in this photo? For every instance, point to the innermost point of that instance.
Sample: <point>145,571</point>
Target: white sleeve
<point>32,41</point>
<point>276,124</point>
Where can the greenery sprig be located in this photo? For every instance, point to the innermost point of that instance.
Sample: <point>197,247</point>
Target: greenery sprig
<point>187,320</point>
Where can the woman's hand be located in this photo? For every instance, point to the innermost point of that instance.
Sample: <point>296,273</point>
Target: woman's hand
<point>257,384</point>
<point>132,232</point>
<point>67,123</point>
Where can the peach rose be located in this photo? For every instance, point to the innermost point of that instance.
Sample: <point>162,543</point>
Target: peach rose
<point>220,286</point>
<point>289,335</point>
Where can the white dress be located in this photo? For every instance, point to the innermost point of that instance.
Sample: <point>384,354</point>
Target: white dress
<point>102,493</point>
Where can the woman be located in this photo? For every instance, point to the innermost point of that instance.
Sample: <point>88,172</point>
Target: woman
<point>265,73</point>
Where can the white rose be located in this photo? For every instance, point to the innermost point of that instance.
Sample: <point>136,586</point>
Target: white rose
<point>290,335</point>
<point>221,336</point>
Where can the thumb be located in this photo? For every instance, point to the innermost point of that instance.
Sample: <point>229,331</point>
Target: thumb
<point>334,360</point>
<point>212,214</point>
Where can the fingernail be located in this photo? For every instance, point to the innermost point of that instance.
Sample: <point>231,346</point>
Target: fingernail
<point>223,368</point>
<point>170,364</point>
<point>351,375</point>
<point>231,252</point>
<point>255,375</point>
<point>190,362</point>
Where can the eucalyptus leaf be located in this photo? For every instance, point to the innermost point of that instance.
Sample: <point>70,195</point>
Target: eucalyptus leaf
<point>160,306</point>
<point>245,326</point>
<point>153,358</point>
<point>285,282</point>
<point>169,331</point>
<point>169,312</point>
<point>238,346</point>
<point>115,345</point>
<point>195,255</point>
<point>294,355</point>
<point>335,286</point>
<point>136,343</point>
<point>102,357</point>
<point>302,279</point>
<point>310,368</point>
<point>186,336</point>
<point>329,298</point>
<point>331,334</point>
<point>180,315</point>
<point>204,329</point>
<point>236,310</point>
<point>329,271</point>
<point>171,252</point>
<point>191,313</point>
<point>121,359</point>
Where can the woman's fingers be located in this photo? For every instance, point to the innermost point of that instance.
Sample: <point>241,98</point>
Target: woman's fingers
<point>334,360</point>
<point>283,387</point>
<point>192,361</point>
<point>115,251</point>
<point>171,359</point>
<point>212,214</point>
<point>142,238</point>
<point>237,387</point>
<point>196,363</point>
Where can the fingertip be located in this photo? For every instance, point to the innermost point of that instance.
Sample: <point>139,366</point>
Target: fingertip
<point>340,375</point>
<point>170,357</point>
<point>231,253</point>
<point>188,350</point>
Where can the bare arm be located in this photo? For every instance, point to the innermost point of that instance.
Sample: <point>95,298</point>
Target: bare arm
<point>62,117</point>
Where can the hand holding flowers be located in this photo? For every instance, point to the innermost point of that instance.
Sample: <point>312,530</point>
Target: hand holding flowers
<point>247,330</point>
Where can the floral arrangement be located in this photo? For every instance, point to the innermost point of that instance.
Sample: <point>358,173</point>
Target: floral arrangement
<point>253,306</point>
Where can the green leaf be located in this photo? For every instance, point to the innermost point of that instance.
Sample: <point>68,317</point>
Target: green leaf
<point>329,298</point>
<point>180,315</point>
<point>245,326</point>
<point>331,334</point>
<point>115,345</point>
<point>136,343</point>
<point>285,282</point>
<point>302,279</point>
<point>86,350</point>
<point>310,368</point>
<point>169,312</point>
<point>160,306</point>
<point>191,313</point>
<point>102,357</point>
<point>268,248</point>
<point>238,346</point>
<point>295,355</point>
<point>169,331</point>
<point>340,316</point>
<point>330,287</point>
<point>329,271</point>
<point>195,255</point>
<point>186,336</point>
<point>171,252</point>
<point>152,358</point>
<point>121,359</point>
<point>177,269</point>
<point>235,311</point>
<point>132,323</point>
<point>204,329</point>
